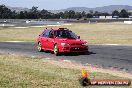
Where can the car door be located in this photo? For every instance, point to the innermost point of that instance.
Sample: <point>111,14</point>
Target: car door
<point>50,40</point>
<point>44,39</point>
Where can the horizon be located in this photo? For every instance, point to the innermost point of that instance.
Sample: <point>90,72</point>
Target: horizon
<point>64,8</point>
<point>57,5</point>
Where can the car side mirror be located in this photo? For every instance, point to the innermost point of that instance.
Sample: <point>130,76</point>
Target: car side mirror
<point>78,37</point>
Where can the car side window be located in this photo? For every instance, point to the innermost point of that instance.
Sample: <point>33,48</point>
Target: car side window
<point>51,34</point>
<point>46,33</point>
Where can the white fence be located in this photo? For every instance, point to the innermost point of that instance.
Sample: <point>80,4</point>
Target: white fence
<point>128,22</point>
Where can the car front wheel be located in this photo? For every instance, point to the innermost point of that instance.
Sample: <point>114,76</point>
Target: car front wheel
<point>39,46</point>
<point>56,50</point>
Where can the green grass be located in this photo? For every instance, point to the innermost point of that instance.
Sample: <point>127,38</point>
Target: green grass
<point>100,33</point>
<point>27,72</point>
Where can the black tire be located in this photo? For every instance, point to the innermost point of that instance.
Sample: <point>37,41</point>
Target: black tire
<point>39,47</point>
<point>56,50</point>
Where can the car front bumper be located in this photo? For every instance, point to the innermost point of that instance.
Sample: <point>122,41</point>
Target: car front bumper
<point>74,48</point>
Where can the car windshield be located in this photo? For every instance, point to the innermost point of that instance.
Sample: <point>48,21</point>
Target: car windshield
<point>65,34</point>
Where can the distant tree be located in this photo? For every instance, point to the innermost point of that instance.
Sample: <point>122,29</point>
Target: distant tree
<point>13,15</point>
<point>5,13</point>
<point>55,16</point>
<point>105,14</point>
<point>71,14</point>
<point>34,12</point>
<point>78,15</point>
<point>44,14</point>
<point>34,9</point>
<point>21,15</point>
<point>124,14</point>
<point>129,13</point>
<point>60,15</point>
<point>115,13</point>
<point>96,13</point>
<point>26,13</point>
<point>44,11</point>
<point>91,12</point>
<point>66,15</point>
<point>83,14</point>
<point>89,15</point>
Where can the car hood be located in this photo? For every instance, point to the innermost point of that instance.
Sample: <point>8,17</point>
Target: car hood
<point>72,41</point>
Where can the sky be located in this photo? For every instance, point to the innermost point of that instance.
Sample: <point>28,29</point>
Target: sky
<point>63,4</point>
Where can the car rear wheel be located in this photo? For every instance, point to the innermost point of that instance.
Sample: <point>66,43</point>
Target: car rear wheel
<point>39,46</point>
<point>56,50</point>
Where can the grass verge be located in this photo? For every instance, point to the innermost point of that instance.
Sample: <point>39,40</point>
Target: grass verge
<point>98,33</point>
<point>34,72</point>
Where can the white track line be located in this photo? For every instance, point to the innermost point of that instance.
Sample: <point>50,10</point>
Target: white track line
<point>112,44</point>
<point>21,27</point>
<point>15,41</point>
<point>67,61</point>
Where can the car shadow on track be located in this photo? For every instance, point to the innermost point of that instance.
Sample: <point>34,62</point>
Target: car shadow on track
<point>72,54</point>
<point>77,54</point>
<point>89,53</point>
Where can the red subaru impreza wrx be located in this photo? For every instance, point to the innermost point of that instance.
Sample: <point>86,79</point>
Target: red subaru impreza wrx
<point>60,40</point>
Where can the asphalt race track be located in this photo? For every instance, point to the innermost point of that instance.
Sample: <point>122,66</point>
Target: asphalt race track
<point>107,56</point>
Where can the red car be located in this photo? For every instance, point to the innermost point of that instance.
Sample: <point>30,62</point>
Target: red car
<point>60,40</point>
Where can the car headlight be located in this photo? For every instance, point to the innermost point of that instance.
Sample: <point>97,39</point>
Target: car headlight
<point>85,44</point>
<point>64,44</point>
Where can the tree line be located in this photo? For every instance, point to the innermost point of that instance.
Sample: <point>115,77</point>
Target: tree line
<point>34,13</point>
